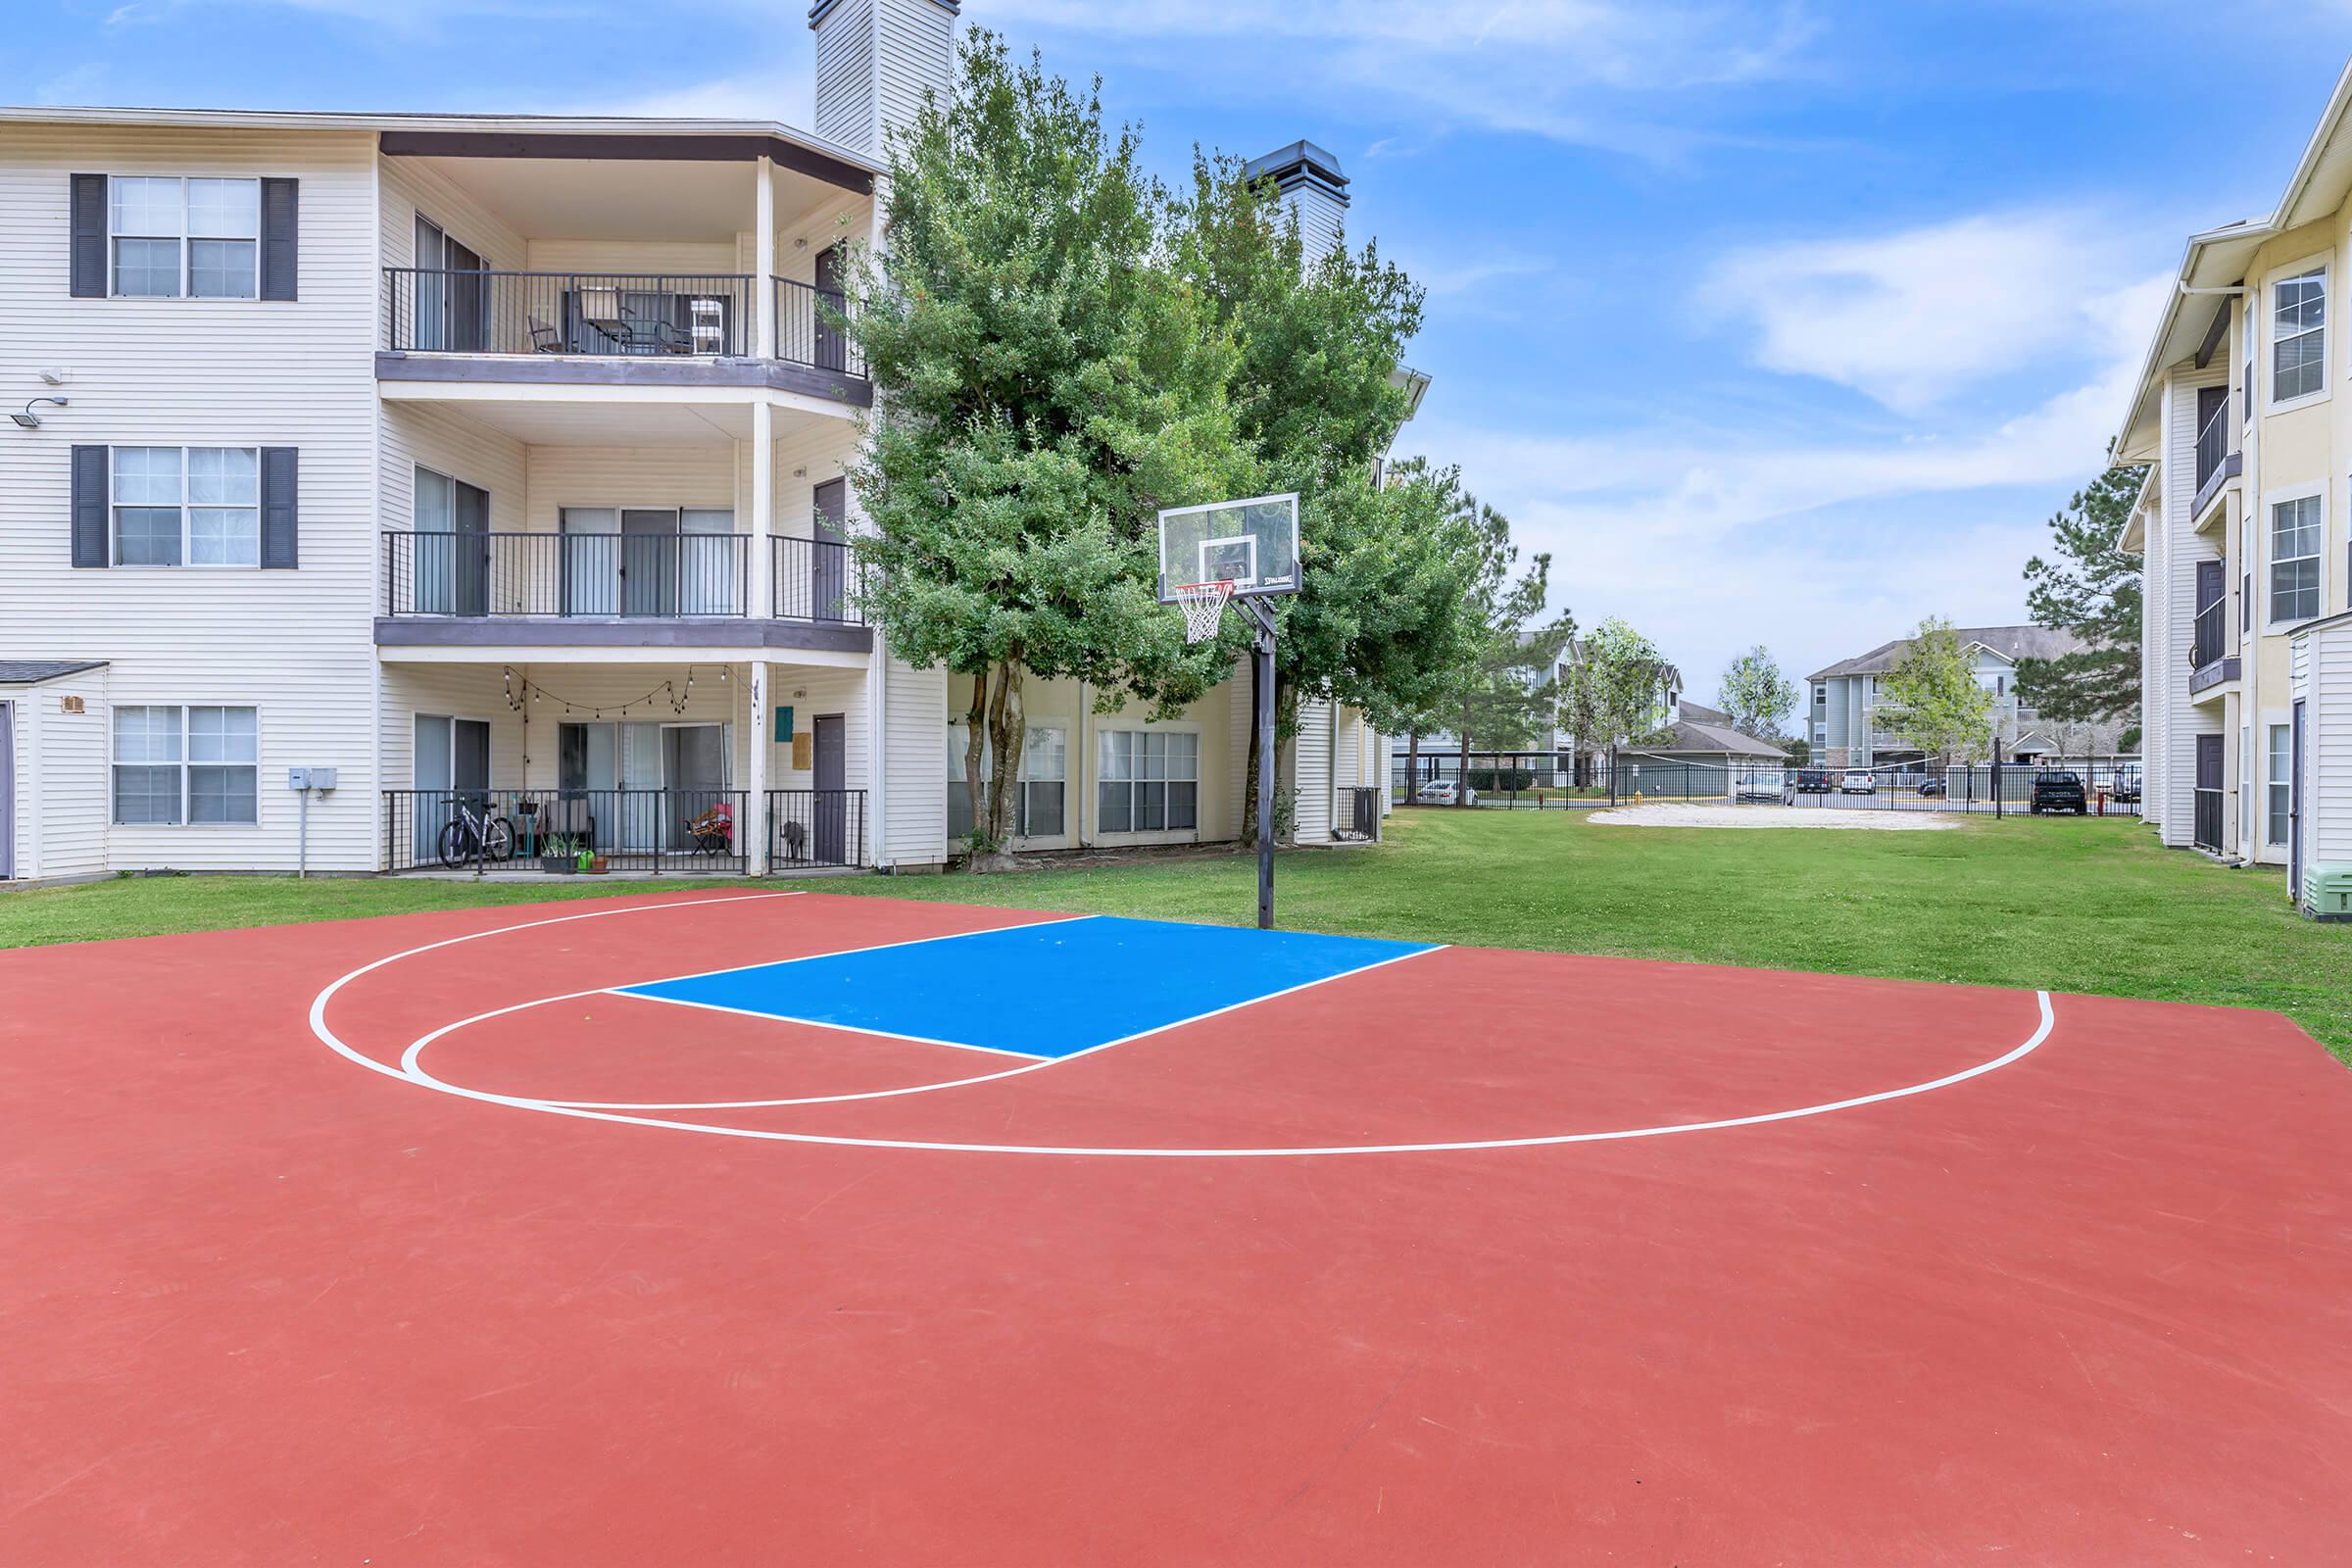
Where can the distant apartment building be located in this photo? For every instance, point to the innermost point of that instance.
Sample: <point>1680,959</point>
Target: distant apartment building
<point>1844,726</point>
<point>502,461</point>
<point>2241,524</point>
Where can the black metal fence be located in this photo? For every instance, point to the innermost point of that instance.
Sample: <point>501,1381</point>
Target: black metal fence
<point>2212,443</point>
<point>809,328</point>
<point>810,828</point>
<point>564,574</point>
<point>814,580</point>
<point>1554,781</point>
<point>462,310</point>
<point>628,830</point>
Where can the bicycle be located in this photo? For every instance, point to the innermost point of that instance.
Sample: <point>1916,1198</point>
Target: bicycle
<point>467,837</point>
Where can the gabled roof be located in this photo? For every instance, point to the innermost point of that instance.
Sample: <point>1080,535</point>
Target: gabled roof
<point>32,672</point>
<point>1703,729</point>
<point>2008,643</point>
<point>2216,260</point>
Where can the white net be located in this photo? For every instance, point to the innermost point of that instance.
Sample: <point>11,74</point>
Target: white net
<point>1204,606</point>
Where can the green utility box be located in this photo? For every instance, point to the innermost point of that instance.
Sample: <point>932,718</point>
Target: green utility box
<point>2328,891</point>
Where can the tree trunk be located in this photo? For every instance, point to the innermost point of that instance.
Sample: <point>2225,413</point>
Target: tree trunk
<point>1461,784</point>
<point>975,745</point>
<point>1007,735</point>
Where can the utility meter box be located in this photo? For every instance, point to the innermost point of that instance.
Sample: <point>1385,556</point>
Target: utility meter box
<point>310,779</point>
<point>2328,891</point>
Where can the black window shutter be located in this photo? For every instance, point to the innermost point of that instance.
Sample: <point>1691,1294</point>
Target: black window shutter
<point>282,225</point>
<point>280,511</point>
<point>89,225</point>
<point>89,505</point>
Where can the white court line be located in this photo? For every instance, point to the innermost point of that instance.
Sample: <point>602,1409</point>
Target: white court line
<point>408,1060</point>
<point>2049,1021</point>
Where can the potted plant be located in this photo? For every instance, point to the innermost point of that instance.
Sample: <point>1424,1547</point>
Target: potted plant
<point>559,854</point>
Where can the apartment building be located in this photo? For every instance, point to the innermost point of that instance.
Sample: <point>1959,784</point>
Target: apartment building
<point>1843,729</point>
<point>2241,524</point>
<point>499,461</point>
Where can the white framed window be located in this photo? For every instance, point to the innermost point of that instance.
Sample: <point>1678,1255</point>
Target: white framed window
<point>1148,781</point>
<point>176,764</point>
<point>2279,785</point>
<point>2297,527</point>
<point>1045,782</point>
<point>170,237</point>
<point>2299,335</point>
<point>187,506</point>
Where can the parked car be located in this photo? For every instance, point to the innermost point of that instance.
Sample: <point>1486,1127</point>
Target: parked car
<point>1441,792</point>
<point>2125,786</point>
<point>1931,786</point>
<point>1858,781</point>
<point>1763,784</point>
<point>1813,781</point>
<point>2058,790</point>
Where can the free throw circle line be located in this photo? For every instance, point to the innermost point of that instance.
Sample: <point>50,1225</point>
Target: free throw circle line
<point>317,1018</point>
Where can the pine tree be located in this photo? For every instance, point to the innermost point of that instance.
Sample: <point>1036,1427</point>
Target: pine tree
<point>2093,589</point>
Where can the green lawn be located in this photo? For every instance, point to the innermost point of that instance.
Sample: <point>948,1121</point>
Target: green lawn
<point>2085,906</point>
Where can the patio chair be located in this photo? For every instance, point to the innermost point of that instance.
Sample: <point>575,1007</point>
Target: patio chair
<point>654,336</point>
<point>545,339</point>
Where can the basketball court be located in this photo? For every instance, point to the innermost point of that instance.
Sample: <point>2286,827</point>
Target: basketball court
<point>756,1228</point>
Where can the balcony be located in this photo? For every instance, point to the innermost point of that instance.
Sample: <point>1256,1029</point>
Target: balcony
<point>657,588</point>
<point>2209,660</point>
<point>814,580</point>
<point>2205,827</point>
<point>2216,462</point>
<point>622,328</point>
<point>663,831</point>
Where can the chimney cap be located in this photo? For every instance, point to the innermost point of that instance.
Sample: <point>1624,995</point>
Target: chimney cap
<point>817,12</point>
<point>1301,162</point>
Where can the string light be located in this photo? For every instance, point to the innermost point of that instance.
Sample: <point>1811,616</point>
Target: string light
<point>670,691</point>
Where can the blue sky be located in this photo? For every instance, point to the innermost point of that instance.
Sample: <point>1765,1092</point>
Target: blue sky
<point>1773,323</point>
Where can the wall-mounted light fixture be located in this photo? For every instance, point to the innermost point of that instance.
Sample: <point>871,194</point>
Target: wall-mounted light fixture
<point>32,421</point>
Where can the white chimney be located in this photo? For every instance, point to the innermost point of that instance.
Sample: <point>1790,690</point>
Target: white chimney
<point>874,61</point>
<point>1310,182</point>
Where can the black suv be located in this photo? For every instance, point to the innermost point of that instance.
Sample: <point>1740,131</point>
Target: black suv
<point>2055,789</point>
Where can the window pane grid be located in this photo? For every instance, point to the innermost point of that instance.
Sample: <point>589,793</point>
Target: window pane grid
<point>215,779</point>
<point>2297,527</point>
<point>2298,335</point>
<point>198,506</point>
<point>1149,781</point>
<point>201,237</point>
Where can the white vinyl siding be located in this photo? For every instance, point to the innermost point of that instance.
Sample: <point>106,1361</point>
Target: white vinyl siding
<point>2299,335</point>
<point>229,373</point>
<point>2296,530</point>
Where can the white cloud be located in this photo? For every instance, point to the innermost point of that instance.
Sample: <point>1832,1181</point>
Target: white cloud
<point>1577,71</point>
<point>1912,318</point>
<point>1714,536</point>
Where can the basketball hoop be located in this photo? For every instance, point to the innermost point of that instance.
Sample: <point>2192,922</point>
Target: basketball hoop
<point>1204,606</point>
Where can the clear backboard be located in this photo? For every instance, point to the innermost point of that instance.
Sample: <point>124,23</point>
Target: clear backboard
<point>1250,544</point>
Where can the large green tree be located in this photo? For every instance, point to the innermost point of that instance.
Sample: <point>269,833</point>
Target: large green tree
<point>1506,690</point>
<point>1932,697</point>
<point>1043,384</point>
<point>1317,397</point>
<point>1615,687</point>
<point>1756,694</point>
<point>2093,589</point>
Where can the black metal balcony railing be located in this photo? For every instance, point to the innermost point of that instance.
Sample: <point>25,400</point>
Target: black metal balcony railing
<point>815,579</point>
<point>2213,444</point>
<point>630,830</point>
<point>816,827</point>
<point>644,315</point>
<point>2209,643</point>
<point>566,574</point>
<point>808,331</point>
<point>2206,830</point>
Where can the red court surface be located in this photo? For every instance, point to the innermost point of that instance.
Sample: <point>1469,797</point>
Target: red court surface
<point>2083,1297</point>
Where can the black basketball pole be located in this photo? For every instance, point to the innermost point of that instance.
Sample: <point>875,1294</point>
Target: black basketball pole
<point>1262,641</point>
